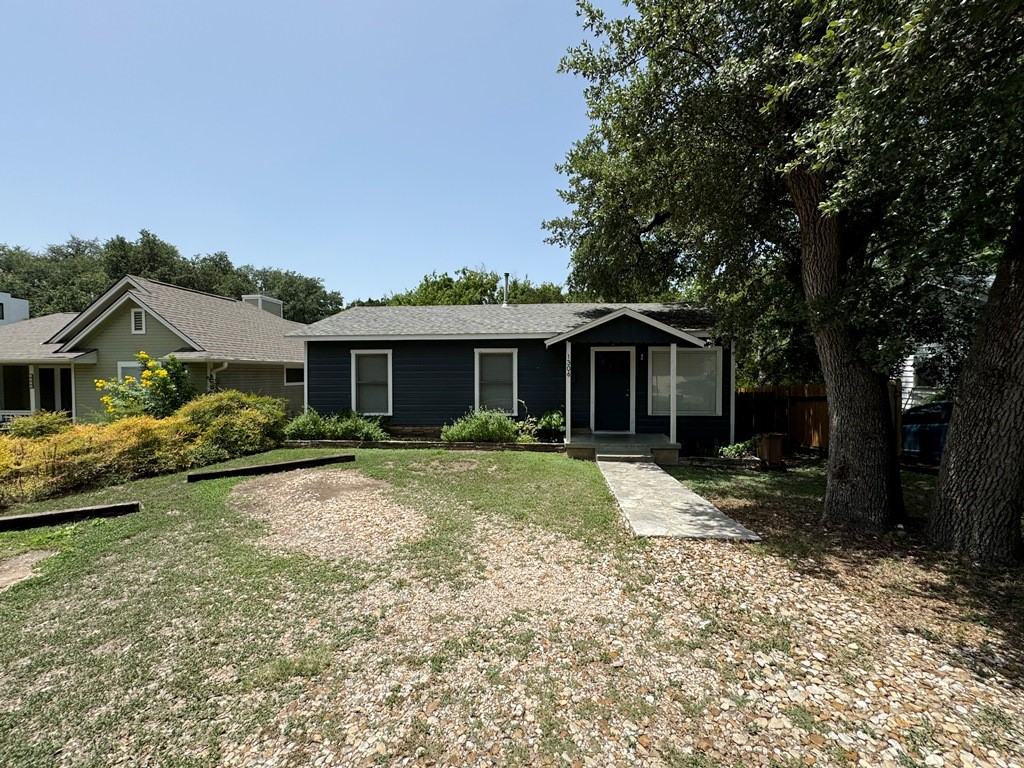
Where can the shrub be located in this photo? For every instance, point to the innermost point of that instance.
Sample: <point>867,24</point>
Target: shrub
<point>737,450</point>
<point>482,426</point>
<point>208,429</point>
<point>39,424</point>
<point>235,422</point>
<point>346,426</point>
<point>551,426</point>
<point>161,389</point>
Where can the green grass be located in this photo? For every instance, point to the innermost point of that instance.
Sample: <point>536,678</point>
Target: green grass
<point>785,507</point>
<point>142,623</point>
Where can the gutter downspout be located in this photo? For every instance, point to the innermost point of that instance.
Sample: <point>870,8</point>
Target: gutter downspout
<point>211,376</point>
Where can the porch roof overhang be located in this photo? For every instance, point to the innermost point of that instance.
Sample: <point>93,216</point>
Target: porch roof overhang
<point>630,313</point>
<point>85,357</point>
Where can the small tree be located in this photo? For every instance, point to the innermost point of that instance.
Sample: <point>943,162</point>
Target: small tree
<point>159,391</point>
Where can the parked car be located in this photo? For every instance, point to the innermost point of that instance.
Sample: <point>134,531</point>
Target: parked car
<point>924,431</point>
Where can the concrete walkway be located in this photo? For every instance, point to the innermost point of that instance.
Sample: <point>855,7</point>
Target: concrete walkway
<point>656,504</point>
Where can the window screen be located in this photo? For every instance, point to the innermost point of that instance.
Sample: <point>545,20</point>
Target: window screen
<point>496,384</point>
<point>371,390</point>
<point>697,382</point>
<point>294,375</point>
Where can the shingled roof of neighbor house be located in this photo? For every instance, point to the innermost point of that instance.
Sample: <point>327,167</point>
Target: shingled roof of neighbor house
<point>524,320</point>
<point>213,327</point>
<point>26,340</point>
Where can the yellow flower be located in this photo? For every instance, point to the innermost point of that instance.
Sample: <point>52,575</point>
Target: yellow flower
<point>100,383</point>
<point>142,355</point>
<point>162,373</point>
<point>146,374</point>
<point>152,364</point>
<point>129,378</point>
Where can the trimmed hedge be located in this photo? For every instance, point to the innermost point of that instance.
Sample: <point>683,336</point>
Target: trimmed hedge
<point>346,426</point>
<point>208,429</point>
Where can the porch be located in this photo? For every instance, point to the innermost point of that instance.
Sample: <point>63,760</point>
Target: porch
<point>28,389</point>
<point>627,447</point>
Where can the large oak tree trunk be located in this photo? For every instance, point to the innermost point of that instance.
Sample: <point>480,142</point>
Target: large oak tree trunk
<point>863,490</point>
<point>980,496</point>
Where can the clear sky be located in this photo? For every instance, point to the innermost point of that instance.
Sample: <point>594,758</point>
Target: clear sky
<point>366,143</point>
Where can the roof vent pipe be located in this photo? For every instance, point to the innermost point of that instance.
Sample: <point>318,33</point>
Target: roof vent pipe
<point>504,303</point>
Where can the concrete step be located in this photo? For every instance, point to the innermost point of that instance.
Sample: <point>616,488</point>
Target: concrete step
<point>621,455</point>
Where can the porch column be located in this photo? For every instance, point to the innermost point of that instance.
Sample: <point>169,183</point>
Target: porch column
<point>32,388</point>
<point>568,392</point>
<point>672,394</point>
<point>74,396</point>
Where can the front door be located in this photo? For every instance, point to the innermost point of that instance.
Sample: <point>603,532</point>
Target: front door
<point>54,389</point>
<point>612,390</point>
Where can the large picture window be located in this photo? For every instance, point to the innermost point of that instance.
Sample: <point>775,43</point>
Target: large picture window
<point>698,381</point>
<point>497,380</point>
<point>371,381</point>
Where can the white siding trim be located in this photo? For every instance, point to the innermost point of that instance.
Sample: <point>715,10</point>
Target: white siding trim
<point>391,379</point>
<point>627,312</point>
<point>515,375</point>
<point>684,351</point>
<point>419,336</point>
<point>305,377</point>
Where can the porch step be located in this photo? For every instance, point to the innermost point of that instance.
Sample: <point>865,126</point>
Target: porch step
<point>623,454</point>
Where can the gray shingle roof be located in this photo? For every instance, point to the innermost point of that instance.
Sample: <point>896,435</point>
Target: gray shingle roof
<point>25,340</point>
<point>540,320</point>
<point>225,329</point>
<point>220,328</point>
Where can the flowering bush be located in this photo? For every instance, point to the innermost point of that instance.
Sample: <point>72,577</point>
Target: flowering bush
<point>208,429</point>
<point>159,391</point>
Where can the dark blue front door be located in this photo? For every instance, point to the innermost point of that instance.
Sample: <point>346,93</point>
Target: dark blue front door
<point>612,389</point>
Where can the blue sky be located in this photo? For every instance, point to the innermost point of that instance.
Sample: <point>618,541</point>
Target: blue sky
<point>365,143</point>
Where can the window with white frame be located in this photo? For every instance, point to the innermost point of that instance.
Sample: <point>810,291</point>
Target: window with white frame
<point>294,376</point>
<point>129,368</point>
<point>138,321</point>
<point>698,381</point>
<point>497,380</point>
<point>371,381</point>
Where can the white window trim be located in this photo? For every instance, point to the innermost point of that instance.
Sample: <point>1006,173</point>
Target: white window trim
<point>632,391</point>
<point>514,351</point>
<point>284,375</point>
<point>680,411</point>
<point>391,380</point>
<point>122,364</point>
<point>142,313</point>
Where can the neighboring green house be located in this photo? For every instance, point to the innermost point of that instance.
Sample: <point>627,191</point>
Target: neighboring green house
<point>52,362</point>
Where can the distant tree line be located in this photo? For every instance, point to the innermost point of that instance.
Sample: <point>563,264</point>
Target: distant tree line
<point>67,277</point>
<point>472,286</point>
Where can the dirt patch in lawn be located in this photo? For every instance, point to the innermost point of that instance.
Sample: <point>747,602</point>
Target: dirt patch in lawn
<point>19,567</point>
<point>332,513</point>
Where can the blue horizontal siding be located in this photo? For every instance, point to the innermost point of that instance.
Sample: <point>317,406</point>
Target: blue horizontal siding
<point>433,384</point>
<point>433,380</point>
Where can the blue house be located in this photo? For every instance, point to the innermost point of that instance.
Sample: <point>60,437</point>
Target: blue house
<point>611,366</point>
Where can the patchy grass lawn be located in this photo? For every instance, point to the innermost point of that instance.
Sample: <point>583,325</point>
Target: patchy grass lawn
<point>928,592</point>
<point>499,616</point>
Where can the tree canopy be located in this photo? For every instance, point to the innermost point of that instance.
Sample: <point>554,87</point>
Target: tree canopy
<point>837,166</point>
<point>471,286</point>
<point>69,276</point>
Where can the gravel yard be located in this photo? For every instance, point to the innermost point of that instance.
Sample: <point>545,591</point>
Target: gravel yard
<point>453,611</point>
<point>548,651</point>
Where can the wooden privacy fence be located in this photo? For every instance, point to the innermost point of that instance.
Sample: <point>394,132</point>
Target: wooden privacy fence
<point>799,411</point>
